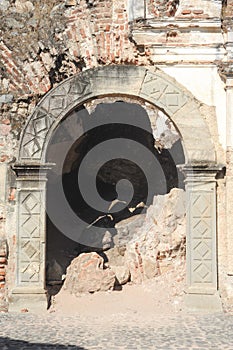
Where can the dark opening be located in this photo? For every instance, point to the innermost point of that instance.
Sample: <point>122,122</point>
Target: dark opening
<point>84,131</point>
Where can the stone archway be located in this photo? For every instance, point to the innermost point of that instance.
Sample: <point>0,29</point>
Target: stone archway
<point>159,89</point>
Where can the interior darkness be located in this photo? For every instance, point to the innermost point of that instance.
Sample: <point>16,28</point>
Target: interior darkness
<point>108,121</point>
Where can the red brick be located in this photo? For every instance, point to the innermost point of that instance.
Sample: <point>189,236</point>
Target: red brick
<point>2,272</point>
<point>198,12</point>
<point>82,32</point>
<point>107,28</point>
<point>6,121</point>
<point>186,12</point>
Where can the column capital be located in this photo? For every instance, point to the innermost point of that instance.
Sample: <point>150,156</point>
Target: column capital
<point>201,173</point>
<point>31,171</point>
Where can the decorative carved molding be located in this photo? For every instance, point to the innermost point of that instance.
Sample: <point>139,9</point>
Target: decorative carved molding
<point>56,102</point>
<point>201,226</point>
<point>154,86</point>
<point>36,133</point>
<point>167,95</point>
<point>29,255</point>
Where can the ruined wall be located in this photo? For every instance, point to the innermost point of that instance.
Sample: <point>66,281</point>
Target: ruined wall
<point>44,42</point>
<point>57,41</point>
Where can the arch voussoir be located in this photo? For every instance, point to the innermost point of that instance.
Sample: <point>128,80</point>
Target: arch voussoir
<point>154,86</point>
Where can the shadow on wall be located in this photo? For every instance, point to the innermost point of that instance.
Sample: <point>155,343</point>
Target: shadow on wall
<point>20,344</point>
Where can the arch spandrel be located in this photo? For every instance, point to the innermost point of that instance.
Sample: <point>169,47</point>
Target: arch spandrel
<point>153,86</point>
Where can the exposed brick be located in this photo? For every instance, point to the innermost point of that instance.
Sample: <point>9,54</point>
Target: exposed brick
<point>2,272</point>
<point>198,12</point>
<point>186,12</point>
<point>6,121</point>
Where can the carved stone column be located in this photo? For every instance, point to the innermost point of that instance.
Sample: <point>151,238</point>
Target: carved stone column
<point>29,291</point>
<point>202,281</point>
<point>229,169</point>
<point>226,72</point>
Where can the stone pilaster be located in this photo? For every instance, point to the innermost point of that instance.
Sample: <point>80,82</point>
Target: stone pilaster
<point>229,168</point>
<point>202,283</point>
<point>29,291</point>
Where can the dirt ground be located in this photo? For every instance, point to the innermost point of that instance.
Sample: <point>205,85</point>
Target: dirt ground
<point>162,295</point>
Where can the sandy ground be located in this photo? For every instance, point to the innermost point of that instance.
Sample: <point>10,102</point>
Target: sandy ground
<point>161,295</point>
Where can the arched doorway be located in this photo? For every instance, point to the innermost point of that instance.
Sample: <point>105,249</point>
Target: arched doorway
<point>200,169</point>
<point>146,151</point>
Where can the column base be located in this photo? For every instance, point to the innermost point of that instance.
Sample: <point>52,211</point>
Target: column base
<point>31,300</point>
<point>203,302</point>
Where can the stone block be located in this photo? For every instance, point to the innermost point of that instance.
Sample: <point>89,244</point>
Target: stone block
<point>87,274</point>
<point>7,98</point>
<point>203,303</point>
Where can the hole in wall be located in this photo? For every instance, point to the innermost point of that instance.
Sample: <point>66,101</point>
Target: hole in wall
<point>86,128</point>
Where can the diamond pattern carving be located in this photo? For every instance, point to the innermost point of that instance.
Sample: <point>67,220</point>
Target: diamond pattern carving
<point>30,272</point>
<point>30,202</point>
<point>57,102</point>
<point>36,133</point>
<point>202,250</point>
<point>163,92</point>
<point>47,112</point>
<point>202,205</point>
<point>80,86</point>
<point>30,250</point>
<point>203,272</point>
<point>201,228</point>
<point>30,226</point>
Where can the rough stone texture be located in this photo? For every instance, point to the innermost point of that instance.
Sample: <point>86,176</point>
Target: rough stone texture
<point>145,245</point>
<point>127,228</point>
<point>162,236</point>
<point>142,244</point>
<point>227,8</point>
<point>60,41</point>
<point>162,8</point>
<point>115,259</point>
<point>87,274</point>
<point>122,274</point>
